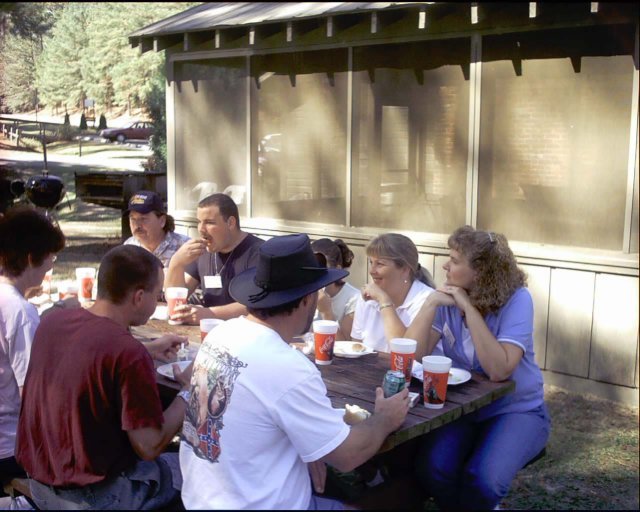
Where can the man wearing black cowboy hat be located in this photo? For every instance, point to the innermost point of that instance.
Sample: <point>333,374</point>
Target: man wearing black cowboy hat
<point>259,421</point>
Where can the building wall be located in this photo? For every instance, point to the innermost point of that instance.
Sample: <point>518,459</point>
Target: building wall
<point>527,139</point>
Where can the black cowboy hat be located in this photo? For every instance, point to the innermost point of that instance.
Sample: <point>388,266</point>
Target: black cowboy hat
<point>287,270</point>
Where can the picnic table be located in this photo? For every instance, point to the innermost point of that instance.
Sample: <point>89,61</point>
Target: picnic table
<point>353,381</point>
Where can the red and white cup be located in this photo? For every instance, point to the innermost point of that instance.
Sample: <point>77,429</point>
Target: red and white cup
<point>86,277</point>
<point>67,289</point>
<point>435,380</point>
<point>176,296</point>
<point>403,352</point>
<point>324,336</point>
<point>46,282</point>
<point>206,324</point>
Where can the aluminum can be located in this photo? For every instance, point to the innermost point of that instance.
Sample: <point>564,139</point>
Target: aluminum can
<point>393,382</point>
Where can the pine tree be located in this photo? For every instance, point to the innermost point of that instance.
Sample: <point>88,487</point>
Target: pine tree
<point>83,122</point>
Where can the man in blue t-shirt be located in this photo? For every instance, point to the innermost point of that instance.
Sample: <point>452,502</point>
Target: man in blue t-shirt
<point>211,261</point>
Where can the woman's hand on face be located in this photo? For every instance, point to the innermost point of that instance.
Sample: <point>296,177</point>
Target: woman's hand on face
<point>371,291</point>
<point>459,295</point>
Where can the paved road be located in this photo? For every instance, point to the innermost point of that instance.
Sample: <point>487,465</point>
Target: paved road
<point>33,160</point>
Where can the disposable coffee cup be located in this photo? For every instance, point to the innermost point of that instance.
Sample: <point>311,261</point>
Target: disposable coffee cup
<point>403,352</point>
<point>176,296</point>
<point>86,277</point>
<point>46,282</point>
<point>324,336</point>
<point>435,378</point>
<point>67,289</point>
<point>206,324</point>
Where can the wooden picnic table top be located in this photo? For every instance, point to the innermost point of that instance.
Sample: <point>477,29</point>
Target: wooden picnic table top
<point>353,381</point>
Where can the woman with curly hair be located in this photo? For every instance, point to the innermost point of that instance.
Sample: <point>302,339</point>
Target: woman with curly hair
<point>483,314</point>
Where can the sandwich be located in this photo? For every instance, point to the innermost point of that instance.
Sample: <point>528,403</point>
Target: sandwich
<point>355,414</point>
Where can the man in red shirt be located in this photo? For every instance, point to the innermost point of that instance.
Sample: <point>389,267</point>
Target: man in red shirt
<point>91,430</point>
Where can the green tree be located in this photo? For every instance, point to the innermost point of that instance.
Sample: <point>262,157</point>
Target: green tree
<point>59,75</point>
<point>157,112</point>
<point>80,51</point>
<point>19,58</point>
<point>29,20</point>
<point>22,27</point>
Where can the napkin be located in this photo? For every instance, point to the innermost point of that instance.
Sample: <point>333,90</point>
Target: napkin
<point>416,370</point>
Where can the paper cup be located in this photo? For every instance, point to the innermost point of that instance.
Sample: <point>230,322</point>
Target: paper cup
<point>436,375</point>
<point>67,289</point>
<point>206,324</point>
<point>86,277</point>
<point>324,335</point>
<point>176,296</point>
<point>403,352</point>
<point>46,282</point>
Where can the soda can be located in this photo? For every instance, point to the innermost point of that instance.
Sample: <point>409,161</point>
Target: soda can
<point>393,382</point>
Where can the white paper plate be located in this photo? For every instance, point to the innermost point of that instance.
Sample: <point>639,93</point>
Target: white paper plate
<point>166,370</point>
<point>344,349</point>
<point>456,375</point>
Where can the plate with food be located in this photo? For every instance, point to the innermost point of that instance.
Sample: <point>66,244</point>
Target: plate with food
<point>351,349</point>
<point>456,375</point>
<point>166,370</point>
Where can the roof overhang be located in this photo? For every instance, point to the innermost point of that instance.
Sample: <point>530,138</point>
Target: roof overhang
<point>275,25</point>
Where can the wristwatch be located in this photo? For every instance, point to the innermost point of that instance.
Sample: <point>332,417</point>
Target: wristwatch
<point>185,394</point>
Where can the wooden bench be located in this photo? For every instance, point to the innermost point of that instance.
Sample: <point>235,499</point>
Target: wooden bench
<point>18,487</point>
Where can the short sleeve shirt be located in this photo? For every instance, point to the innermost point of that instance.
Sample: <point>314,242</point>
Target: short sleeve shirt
<point>89,382</point>
<point>259,414</point>
<point>227,266</point>
<point>367,320</point>
<point>166,249</point>
<point>513,324</point>
<point>18,323</point>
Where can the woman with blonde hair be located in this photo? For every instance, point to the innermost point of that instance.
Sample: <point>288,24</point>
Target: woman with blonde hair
<point>483,315</point>
<point>336,301</point>
<point>398,289</point>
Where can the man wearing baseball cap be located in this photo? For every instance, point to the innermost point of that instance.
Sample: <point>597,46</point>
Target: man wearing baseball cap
<point>152,228</point>
<point>258,421</point>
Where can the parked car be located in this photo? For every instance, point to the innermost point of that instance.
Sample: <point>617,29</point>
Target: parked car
<point>140,130</point>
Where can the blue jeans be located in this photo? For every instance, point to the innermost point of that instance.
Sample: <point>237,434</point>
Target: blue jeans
<point>145,486</point>
<point>470,465</point>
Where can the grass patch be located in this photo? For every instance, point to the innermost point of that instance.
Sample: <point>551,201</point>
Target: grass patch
<point>592,458</point>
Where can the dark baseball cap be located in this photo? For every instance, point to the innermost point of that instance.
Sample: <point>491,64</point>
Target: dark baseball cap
<point>146,201</point>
